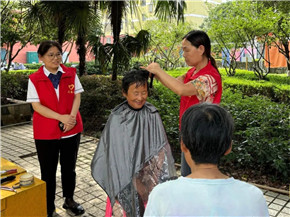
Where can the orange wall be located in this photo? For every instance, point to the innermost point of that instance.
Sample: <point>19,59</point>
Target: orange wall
<point>277,59</point>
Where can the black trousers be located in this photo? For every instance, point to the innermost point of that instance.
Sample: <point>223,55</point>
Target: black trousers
<point>49,151</point>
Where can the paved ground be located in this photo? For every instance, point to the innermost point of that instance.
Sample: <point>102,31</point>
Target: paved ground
<point>17,145</point>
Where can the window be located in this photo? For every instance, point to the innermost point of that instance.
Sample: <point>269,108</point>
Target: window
<point>150,8</point>
<point>143,17</point>
<point>143,2</point>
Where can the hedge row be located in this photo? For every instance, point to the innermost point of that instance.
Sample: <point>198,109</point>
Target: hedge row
<point>100,97</point>
<point>262,125</point>
<point>261,142</point>
<point>261,138</point>
<point>276,87</point>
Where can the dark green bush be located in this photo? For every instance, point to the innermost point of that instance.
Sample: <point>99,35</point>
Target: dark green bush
<point>37,65</point>
<point>101,95</point>
<point>261,139</point>
<point>277,93</point>
<point>276,87</point>
<point>22,72</point>
<point>167,104</point>
<point>14,85</point>
<point>261,145</point>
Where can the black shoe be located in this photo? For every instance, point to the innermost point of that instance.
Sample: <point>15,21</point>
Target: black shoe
<point>73,206</point>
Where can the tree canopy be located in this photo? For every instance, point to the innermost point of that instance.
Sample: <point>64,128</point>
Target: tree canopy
<point>246,24</point>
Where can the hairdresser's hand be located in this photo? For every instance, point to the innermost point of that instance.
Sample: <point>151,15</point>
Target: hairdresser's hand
<point>153,68</point>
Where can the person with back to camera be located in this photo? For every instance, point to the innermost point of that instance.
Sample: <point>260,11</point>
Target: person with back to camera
<point>202,83</point>
<point>54,91</point>
<point>206,136</point>
<point>133,154</point>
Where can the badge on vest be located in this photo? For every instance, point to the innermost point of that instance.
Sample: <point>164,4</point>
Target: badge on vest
<point>71,88</point>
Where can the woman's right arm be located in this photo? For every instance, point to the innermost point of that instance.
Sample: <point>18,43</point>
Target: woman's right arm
<point>174,84</point>
<point>181,78</point>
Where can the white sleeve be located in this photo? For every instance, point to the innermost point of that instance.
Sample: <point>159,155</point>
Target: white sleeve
<point>32,95</point>
<point>78,86</point>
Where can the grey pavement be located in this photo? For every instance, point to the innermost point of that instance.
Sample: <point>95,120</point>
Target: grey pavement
<point>17,145</point>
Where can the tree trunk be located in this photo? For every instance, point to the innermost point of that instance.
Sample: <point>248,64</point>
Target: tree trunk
<point>117,10</point>
<point>285,44</point>
<point>82,53</point>
<point>61,31</point>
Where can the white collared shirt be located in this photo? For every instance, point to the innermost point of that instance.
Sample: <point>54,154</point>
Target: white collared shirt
<point>32,95</point>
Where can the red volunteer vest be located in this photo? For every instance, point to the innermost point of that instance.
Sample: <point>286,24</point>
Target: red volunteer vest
<point>47,128</point>
<point>187,101</point>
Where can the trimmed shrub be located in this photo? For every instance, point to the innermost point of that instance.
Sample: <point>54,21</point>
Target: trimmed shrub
<point>100,97</point>
<point>14,85</point>
<point>276,87</point>
<point>167,104</point>
<point>37,65</point>
<point>261,139</point>
<point>261,145</point>
<point>33,65</point>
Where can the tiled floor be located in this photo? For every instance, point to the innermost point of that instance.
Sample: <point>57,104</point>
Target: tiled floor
<point>17,145</point>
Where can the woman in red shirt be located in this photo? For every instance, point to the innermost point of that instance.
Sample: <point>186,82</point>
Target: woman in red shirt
<point>202,83</point>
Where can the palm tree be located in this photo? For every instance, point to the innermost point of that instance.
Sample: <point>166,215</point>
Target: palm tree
<point>117,9</point>
<point>82,16</point>
<point>50,15</point>
<point>127,47</point>
<point>69,17</point>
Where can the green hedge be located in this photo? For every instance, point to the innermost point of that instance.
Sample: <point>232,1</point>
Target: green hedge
<point>261,139</point>
<point>37,65</point>
<point>167,104</point>
<point>101,95</point>
<point>276,87</point>
<point>261,143</point>
<point>14,85</point>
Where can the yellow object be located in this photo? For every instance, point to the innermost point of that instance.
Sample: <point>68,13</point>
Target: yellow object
<point>28,201</point>
<point>7,165</point>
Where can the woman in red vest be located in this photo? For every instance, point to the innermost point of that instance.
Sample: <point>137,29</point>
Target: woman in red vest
<point>54,91</point>
<point>202,83</point>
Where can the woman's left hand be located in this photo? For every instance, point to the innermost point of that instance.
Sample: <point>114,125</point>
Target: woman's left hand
<point>71,123</point>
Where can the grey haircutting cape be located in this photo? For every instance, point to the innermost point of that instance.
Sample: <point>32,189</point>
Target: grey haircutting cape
<point>133,155</point>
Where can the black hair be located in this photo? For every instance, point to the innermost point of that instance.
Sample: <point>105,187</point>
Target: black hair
<point>207,131</point>
<point>138,77</point>
<point>46,45</point>
<point>197,38</point>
